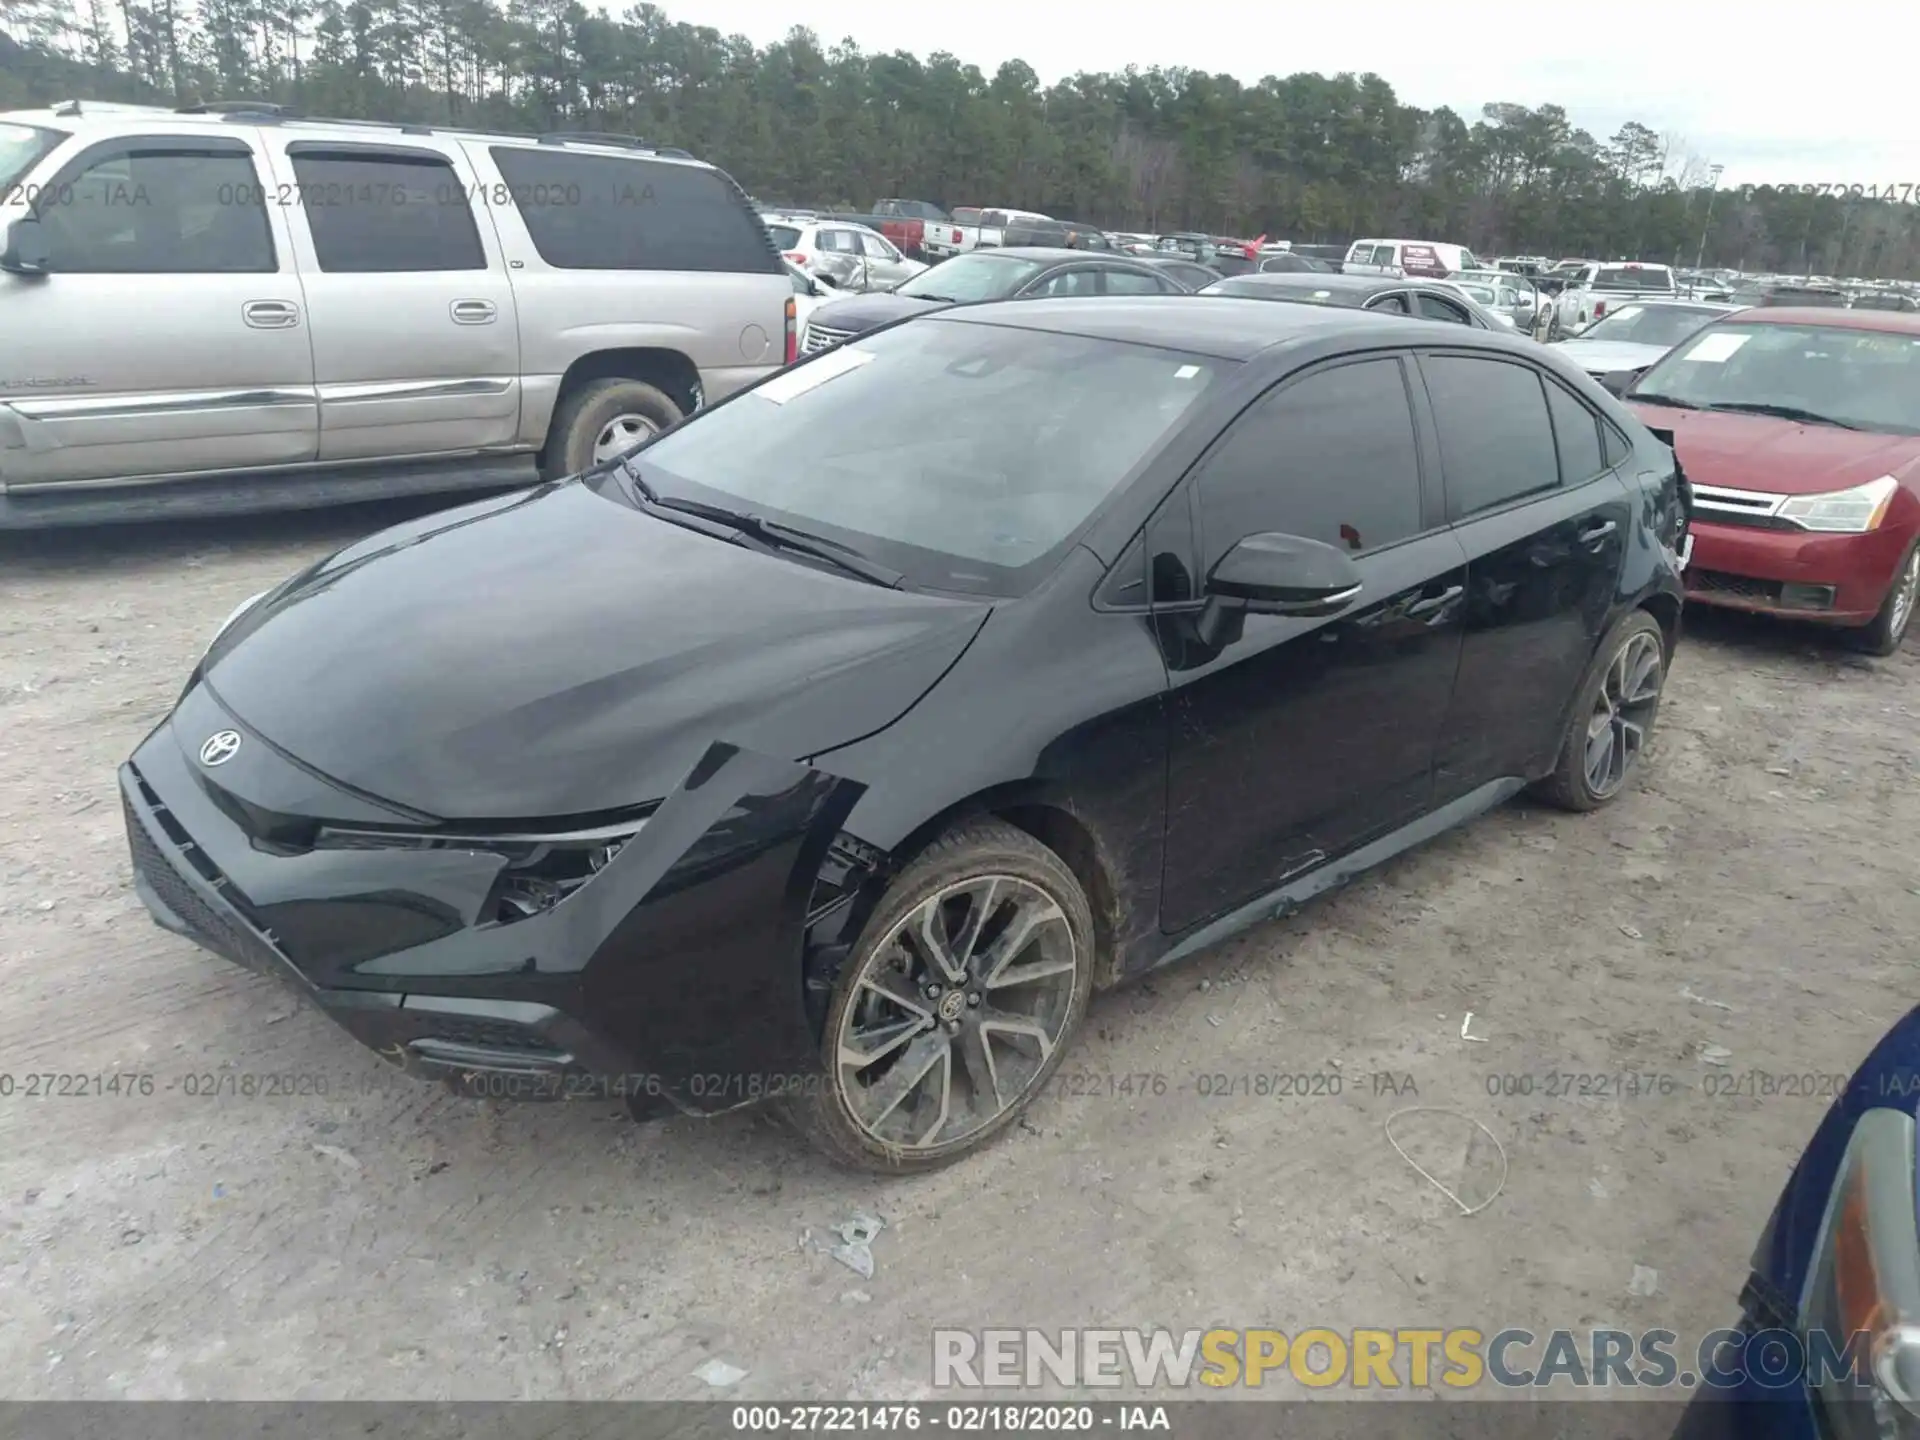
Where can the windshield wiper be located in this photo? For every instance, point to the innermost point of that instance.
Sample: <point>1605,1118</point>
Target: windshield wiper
<point>1784,412</point>
<point>1673,400</point>
<point>631,471</point>
<point>938,299</point>
<point>784,537</point>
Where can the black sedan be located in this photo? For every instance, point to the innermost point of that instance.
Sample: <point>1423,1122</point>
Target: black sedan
<point>1362,292</point>
<point>1014,272</point>
<point>836,744</point>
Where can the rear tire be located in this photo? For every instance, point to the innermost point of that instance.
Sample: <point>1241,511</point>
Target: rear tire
<point>1613,715</point>
<point>602,419</point>
<point>955,1007</point>
<point>1885,632</point>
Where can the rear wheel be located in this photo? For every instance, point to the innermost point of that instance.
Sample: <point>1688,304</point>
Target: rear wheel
<point>604,419</point>
<point>956,1006</point>
<point>1613,716</point>
<point>1882,636</point>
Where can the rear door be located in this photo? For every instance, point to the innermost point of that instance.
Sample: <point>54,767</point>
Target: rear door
<point>416,348</point>
<point>171,337</point>
<point>1543,519</point>
<point>1295,740</point>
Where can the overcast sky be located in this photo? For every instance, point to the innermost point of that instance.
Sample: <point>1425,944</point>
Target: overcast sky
<point>1734,81</point>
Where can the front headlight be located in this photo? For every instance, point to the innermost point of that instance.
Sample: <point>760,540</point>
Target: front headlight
<point>1849,512</point>
<point>541,869</point>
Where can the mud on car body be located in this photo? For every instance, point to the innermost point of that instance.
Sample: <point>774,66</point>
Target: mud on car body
<point>834,746</point>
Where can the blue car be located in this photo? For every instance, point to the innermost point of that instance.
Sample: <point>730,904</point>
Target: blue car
<point>1828,1343</point>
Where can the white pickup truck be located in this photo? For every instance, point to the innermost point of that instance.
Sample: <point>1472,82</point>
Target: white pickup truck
<point>1594,289</point>
<point>973,229</point>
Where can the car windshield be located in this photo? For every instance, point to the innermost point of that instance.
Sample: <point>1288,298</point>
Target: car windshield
<point>968,457</point>
<point>1650,324</point>
<point>971,277</point>
<point>20,146</point>
<point>1866,379</point>
<point>786,237</point>
<point>1633,277</point>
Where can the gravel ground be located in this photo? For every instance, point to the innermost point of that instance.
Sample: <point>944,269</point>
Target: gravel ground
<point>390,1241</point>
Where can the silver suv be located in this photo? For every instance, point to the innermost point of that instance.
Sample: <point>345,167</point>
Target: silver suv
<point>235,308</point>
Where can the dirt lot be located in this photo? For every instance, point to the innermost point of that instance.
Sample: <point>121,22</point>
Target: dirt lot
<point>391,1241</point>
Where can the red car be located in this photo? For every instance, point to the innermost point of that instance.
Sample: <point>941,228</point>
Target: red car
<point>1800,430</point>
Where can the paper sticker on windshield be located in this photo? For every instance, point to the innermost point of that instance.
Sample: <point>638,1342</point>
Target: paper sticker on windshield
<point>1715,348</point>
<point>812,375</point>
<point>1186,372</point>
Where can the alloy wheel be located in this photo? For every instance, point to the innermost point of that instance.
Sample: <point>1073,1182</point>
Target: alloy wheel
<point>1622,711</point>
<point>621,434</point>
<point>956,1013</point>
<point>1906,589</point>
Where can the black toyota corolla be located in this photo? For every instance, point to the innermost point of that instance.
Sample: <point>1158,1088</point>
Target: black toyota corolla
<point>836,744</point>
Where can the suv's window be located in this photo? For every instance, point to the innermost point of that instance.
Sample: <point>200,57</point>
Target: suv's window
<point>20,147</point>
<point>787,237</point>
<point>876,248</point>
<point>1432,307</point>
<point>837,242</point>
<point>1576,432</point>
<point>1495,441</point>
<point>372,213</point>
<point>606,212</point>
<point>1383,255</point>
<point>158,208</point>
<point>1328,457</point>
<point>1129,282</point>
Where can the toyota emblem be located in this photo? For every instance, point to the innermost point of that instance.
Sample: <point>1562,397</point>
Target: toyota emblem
<point>220,748</point>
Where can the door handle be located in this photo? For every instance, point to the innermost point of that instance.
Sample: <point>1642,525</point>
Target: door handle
<point>270,314</point>
<point>474,312</point>
<point>1593,534</point>
<point>1435,602</point>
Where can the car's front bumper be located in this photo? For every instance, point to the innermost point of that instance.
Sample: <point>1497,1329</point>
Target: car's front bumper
<point>1838,579</point>
<point>673,979</point>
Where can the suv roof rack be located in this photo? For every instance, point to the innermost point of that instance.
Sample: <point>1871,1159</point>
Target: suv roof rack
<point>608,137</point>
<point>234,107</point>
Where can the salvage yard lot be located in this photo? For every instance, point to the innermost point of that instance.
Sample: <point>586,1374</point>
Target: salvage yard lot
<point>1755,892</point>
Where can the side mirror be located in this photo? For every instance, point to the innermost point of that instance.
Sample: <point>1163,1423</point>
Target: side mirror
<point>26,249</point>
<point>1275,574</point>
<point>1618,382</point>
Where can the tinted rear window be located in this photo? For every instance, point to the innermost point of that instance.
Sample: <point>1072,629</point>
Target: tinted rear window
<point>785,236</point>
<point>1633,277</point>
<point>605,212</point>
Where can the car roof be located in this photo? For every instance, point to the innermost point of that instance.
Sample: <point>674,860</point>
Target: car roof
<point>111,118</point>
<point>1899,322</point>
<point>1356,286</point>
<point>1038,252</point>
<point>1217,325</point>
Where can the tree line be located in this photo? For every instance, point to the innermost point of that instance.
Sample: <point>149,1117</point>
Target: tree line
<point>1306,157</point>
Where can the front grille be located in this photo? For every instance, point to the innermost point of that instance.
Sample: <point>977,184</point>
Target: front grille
<point>1737,587</point>
<point>230,938</point>
<point>824,337</point>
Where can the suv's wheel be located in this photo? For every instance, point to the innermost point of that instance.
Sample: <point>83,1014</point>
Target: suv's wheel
<point>1882,636</point>
<point>957,1004</point>
<point>1613,715</point>
<point>603,419</point>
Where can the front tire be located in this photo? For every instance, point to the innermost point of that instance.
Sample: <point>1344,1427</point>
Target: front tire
<point>1613,715</point>
<point>949,1016</point>
<point>1885,632</point>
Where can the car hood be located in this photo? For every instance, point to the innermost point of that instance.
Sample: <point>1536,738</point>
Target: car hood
<point>869,312</point>
<point>1601,357</point>
<point>560,653</point>
<point>1779,457</point>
